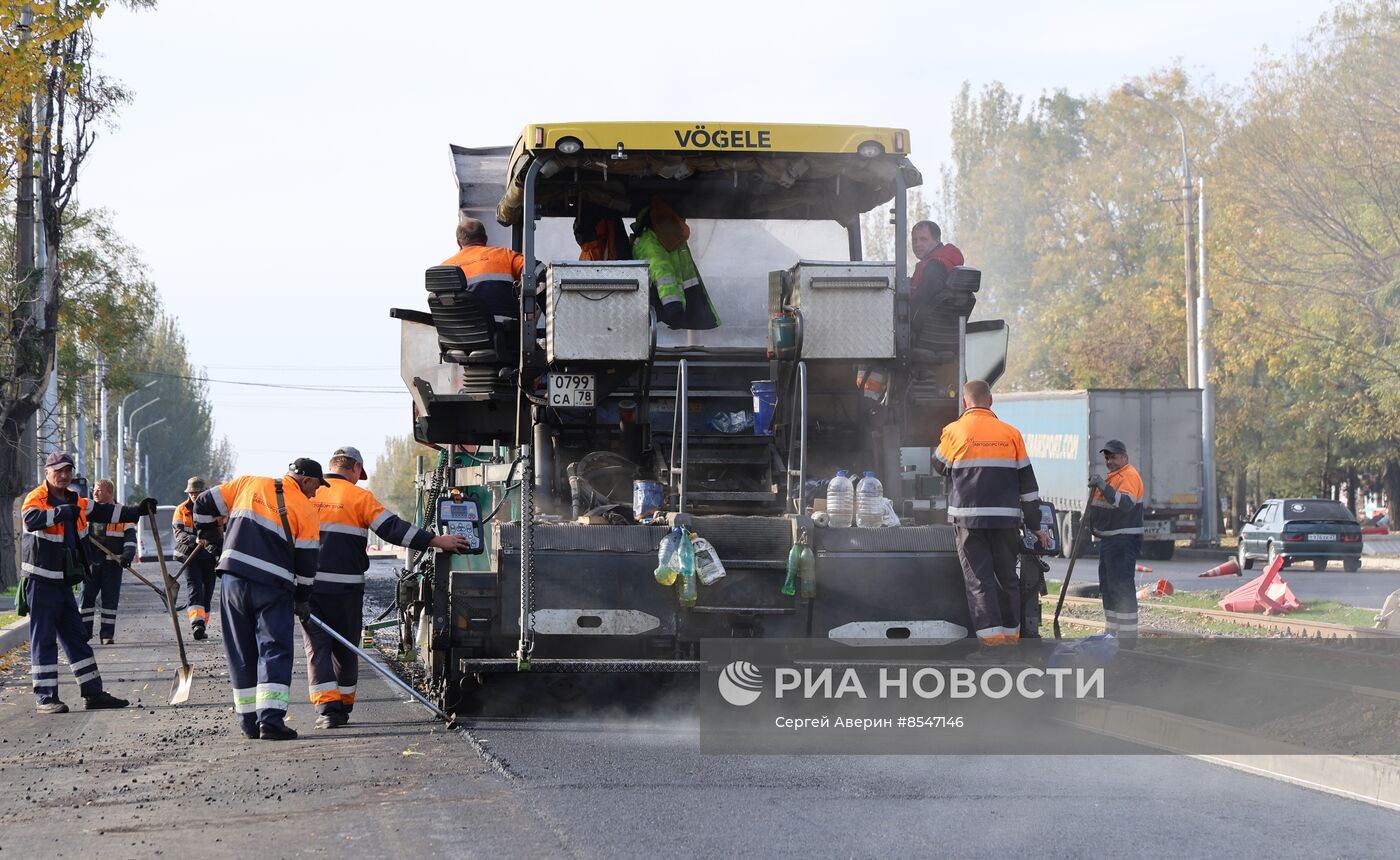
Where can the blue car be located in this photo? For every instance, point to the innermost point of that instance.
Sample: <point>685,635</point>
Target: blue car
<point>1316,530</point>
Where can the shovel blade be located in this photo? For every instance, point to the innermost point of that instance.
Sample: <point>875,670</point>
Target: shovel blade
<point>184,682</point>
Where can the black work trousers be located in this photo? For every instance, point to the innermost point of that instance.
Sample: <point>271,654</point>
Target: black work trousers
<point>988,558</point>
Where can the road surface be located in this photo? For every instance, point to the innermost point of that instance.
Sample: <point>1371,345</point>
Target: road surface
<point>575,776</point>
<point>1365,588</point>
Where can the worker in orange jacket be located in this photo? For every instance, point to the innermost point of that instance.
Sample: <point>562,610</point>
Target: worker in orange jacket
<point>54,559</point>
<point>492,273</point>
<point>992,492</point>
<point>348,514</point>
<point>268,566</point>
<point>1117,523</point>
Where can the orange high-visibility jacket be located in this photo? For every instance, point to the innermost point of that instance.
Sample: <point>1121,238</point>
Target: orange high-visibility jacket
<point>348,514</point>
<point>1119,511</point>
<point>491,275</point>
<point>993,484</point>
<point>46,535</point>
<point>255,543</point>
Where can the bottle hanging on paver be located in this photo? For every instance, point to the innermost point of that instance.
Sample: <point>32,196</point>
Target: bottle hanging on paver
<point>666,561</point>
<point>707,562</point>
<point>686,569</point>
<point>870,502</point>
<point>807,568</point>
<point>840,500</point>
<point>801,569</point>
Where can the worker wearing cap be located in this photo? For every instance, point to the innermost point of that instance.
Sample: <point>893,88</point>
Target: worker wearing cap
<point>102,590</point>
<point>199,570</point>
<point>992,492</point>
<point>54,559</point>
<point>348,514</point>
<point>1116,520</point>
<point>268,565</point>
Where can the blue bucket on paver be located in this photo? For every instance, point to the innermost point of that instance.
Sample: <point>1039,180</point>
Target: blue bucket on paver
<point>765,400</point>
<point>647,497</point>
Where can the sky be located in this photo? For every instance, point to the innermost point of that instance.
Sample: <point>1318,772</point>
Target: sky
<point>283,167</point>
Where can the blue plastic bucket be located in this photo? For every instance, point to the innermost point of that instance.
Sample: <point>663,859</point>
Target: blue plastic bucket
<point>647,497</point>
<point>765,400</point>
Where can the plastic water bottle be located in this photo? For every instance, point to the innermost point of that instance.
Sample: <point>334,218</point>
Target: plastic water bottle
<point>840,500</point>
<point>666,560</point>
<point>686,554</point>
<point>707,562</point>
<point>870,504</point>
<point>807,569</point>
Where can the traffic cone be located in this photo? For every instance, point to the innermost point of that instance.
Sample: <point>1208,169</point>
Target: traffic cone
<point>1229,568</point>
<point>1266,593</point>
<point>1142,568</point>
<point>1161,588</point>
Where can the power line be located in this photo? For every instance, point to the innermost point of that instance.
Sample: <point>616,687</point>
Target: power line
<point>339,389</point>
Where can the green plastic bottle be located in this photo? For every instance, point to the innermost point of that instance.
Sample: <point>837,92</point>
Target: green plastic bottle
<point>794,567</point>
<point>807,568</point>
<point>666,558</point>
<point>689,593</point>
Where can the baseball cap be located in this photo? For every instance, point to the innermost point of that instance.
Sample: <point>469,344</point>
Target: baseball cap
<point>353,453</point>
<point>1113,446</point>
<point>308,468</point>
<point>58,460</point>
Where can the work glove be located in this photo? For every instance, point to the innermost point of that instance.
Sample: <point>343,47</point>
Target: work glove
<point>148,506</point>
<point>1097,482</point>
<point>302,610</point>
<point>128,558</point>
<point>672,314</point>
<point>66,514</point>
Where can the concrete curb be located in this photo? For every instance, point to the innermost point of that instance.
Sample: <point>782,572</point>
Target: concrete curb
<point>14,636</point>
<point>1370,779</point>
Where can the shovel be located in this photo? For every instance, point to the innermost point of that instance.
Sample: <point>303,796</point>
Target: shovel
<point>114,557</point>
<point>184,676</point>
<point>385,671</point>
<point>1073,556</point>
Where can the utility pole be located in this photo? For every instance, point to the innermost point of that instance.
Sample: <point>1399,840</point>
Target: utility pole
<point>1211,532</point>
<point>80,440</point>
<point>101,454</point>
<point>1193,378</point>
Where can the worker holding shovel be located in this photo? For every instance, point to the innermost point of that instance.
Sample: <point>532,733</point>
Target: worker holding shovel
<point>55,559</point>
<point>198,554</point>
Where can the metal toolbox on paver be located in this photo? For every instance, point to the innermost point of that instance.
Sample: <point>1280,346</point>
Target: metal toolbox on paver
<point>598,311</point>
<point>847,309</point>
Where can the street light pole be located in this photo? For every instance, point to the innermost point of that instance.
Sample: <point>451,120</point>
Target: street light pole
<point>123,432</point>
<point>121,439</point>
<point>138,446</point>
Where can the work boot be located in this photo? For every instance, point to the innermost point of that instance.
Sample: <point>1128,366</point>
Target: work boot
<point>276,732</point>
<point>332,720</point>
<point>198,630</point>
<point>54,707</point>
<point>250,734</point>
<point>102,701</point>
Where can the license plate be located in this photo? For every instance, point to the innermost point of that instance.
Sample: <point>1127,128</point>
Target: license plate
<point>572,389</point>
<point>1322,537</point>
